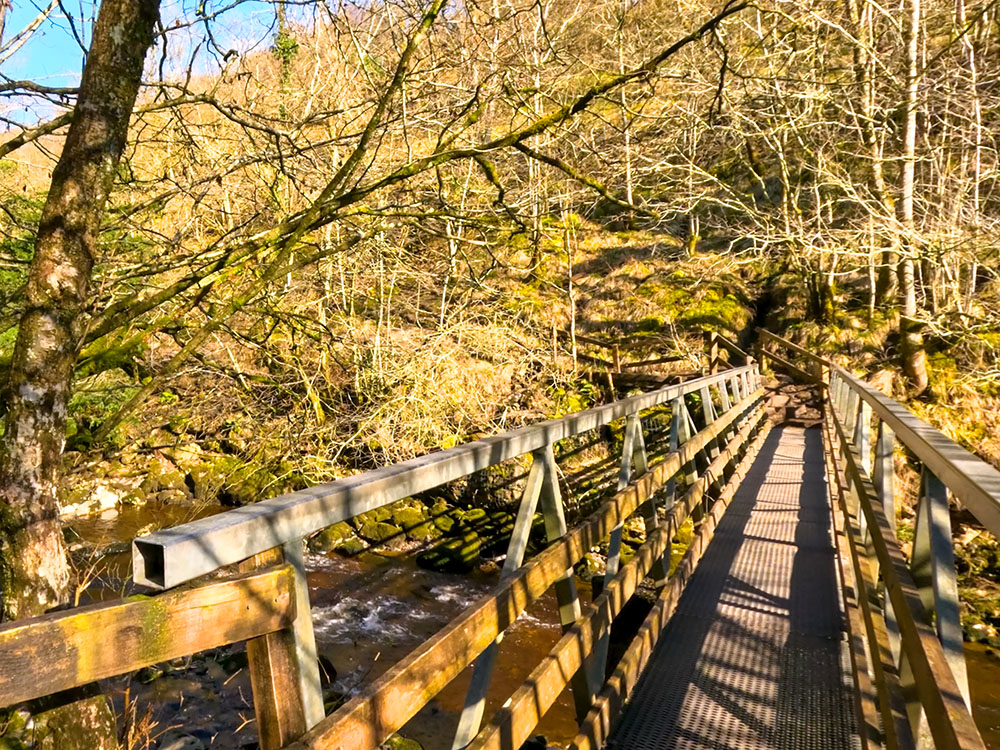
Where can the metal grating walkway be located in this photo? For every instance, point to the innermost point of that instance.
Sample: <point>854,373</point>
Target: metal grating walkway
<point>753,656</point>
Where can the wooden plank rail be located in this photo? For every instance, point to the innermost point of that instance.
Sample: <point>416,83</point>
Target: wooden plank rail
<point>59,651</point>
<point>788,366</point>
<point>950,722</point>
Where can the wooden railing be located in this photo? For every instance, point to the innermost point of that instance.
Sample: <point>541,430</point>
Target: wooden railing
<point>717,426</point>
<point>616,347</point>
<point>905,628</point>
<point>813,370</point>
<point>724,352</point>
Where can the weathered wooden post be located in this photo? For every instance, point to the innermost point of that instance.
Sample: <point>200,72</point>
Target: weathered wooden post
<point>616,357</point>
<point>712,351</point>
<point>284,667</point>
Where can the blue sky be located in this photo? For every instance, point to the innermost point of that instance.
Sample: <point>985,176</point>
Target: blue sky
<point>53,55</point>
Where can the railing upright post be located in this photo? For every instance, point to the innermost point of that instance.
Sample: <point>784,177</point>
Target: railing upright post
<point>734,383</point>
<point>862,435</point>
<point>724,397</point>
<point>712,350</point>
<point>933,567</point>
<point>471,718</point>
<point>883,473</point>
<point>284,666</point>
<point>851,410</point>
<point>634,464</point>
<point>884,470</point>
<point>659,570</point>
<point>685,433</point>
<point>566,594</point>
<point>761,353</point>
<point>708,411</point>
<point>838,396</point>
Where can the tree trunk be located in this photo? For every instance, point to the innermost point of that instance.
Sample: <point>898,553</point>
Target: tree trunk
<point>911,338</point>
<point>34,570</point>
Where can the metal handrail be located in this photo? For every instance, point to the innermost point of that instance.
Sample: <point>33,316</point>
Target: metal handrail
<point>174,556</point>
<point>916,593</point>
<point>973,482</point>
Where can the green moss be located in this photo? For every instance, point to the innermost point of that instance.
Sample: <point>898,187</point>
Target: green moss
<point>454,555</point>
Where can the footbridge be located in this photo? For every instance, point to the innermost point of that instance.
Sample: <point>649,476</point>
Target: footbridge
<point>781,610</point>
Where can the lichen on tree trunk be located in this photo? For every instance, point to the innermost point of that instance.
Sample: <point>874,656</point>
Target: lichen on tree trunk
<point>34,569</point>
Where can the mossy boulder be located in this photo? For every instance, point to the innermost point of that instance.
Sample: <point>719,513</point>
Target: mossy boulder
<point>377,532</point>
<point>378,515</point>
<point>473,518</point>
<point>496,487</point>
<point>424,532</point>
<point>446,522</point>
<point>337,538</point>
<point>229,480</point>
<point>634,532</point>
<point>408,516</point>
<point>453,555</point>
<point>591,565</point>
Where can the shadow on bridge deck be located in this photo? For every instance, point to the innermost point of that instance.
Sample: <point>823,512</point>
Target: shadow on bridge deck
<point>754,657</point>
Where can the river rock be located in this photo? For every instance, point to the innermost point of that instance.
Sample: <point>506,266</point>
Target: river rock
<point>172,741</point>
<point>452,555</point>
<point>445,522</point>
<point>337,538</point>
<point>372,516</point>
<point>497,486</point>
<point>591,565</point>
<point>424,532</point>
<point>379,531</point>
<point>408,514</point>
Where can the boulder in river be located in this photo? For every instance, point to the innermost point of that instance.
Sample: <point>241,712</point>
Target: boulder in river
<point>452,555</point>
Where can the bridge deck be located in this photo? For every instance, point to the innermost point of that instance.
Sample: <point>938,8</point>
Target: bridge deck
<point>754,657</point>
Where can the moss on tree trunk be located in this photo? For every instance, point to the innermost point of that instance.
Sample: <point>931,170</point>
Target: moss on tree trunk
<point>34,570</point>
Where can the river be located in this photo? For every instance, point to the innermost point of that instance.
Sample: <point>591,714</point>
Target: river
<point>368,613</point>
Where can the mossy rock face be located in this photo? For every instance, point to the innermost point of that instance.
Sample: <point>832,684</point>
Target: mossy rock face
<point>495,487</point>
<point>230,481</point>
<point>634,532</point>
<point>14,726</point>
<point>473,518</point>
<point>446,522</point>
<point>87,724</point>
<point>497,533</point>
<point>452,555</point>
<point>379,531</point>
<point>162,476</point>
